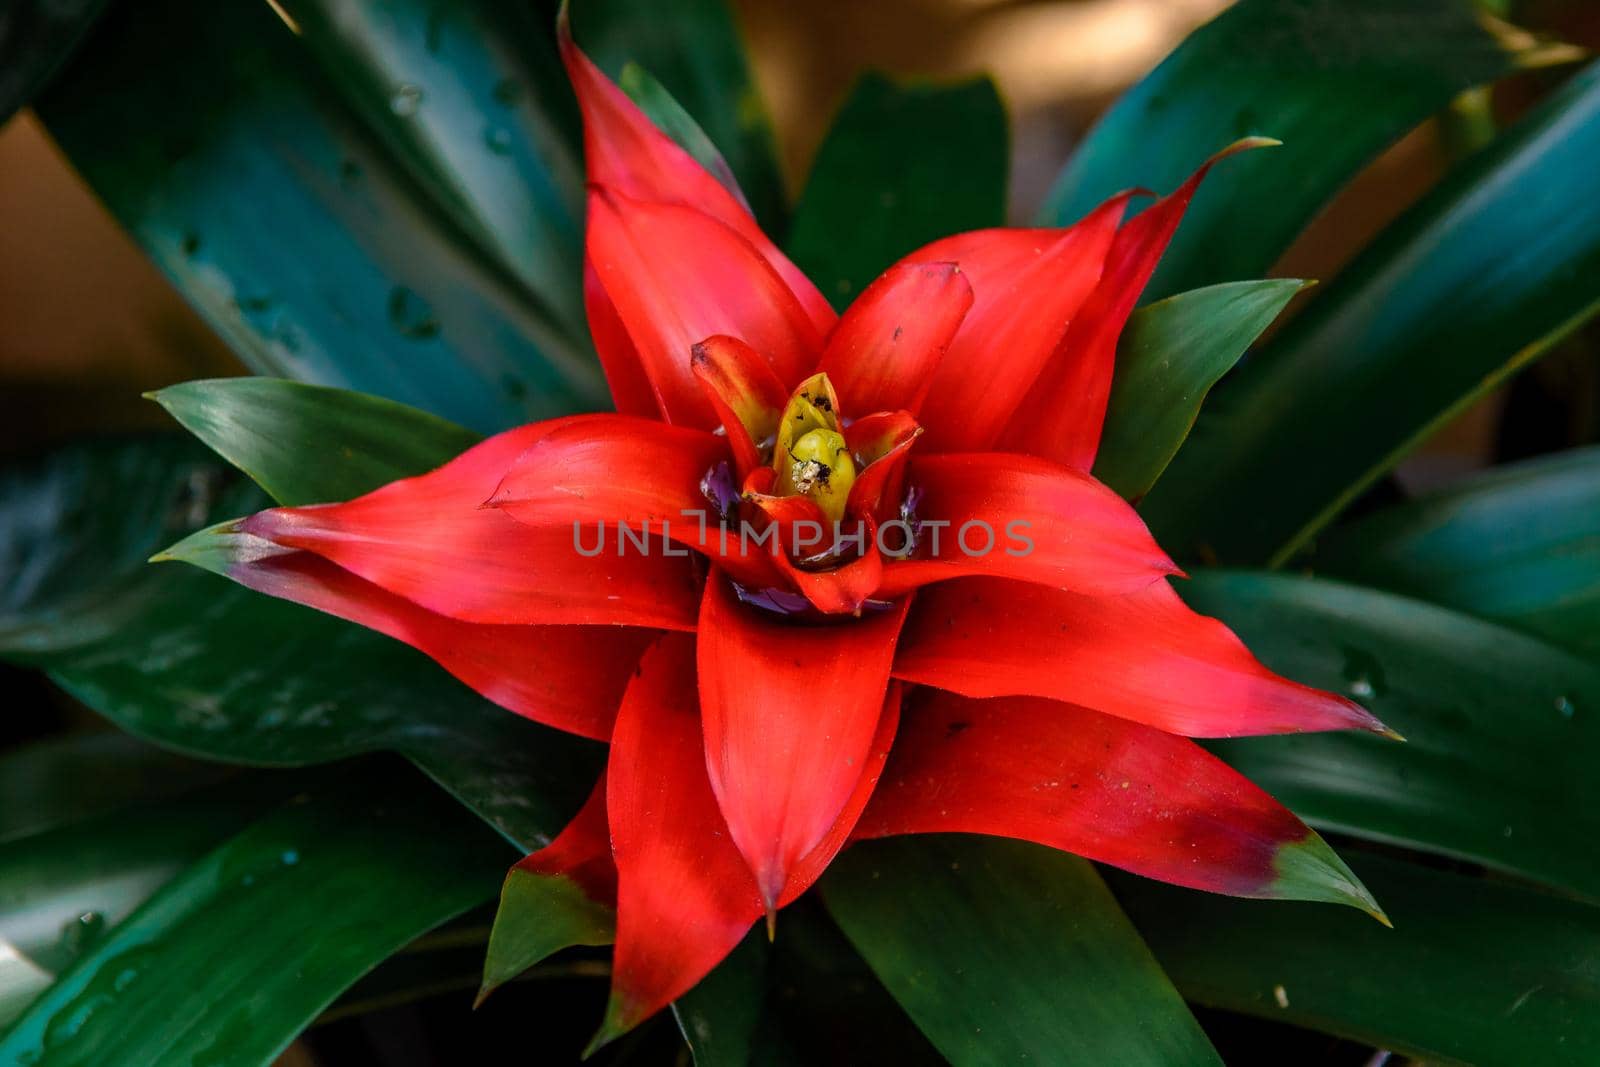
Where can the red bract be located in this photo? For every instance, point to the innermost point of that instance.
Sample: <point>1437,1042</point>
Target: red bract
<point>752,689</point>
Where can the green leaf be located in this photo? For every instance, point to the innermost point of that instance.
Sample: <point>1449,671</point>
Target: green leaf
<point>540,915</point>
<point>1336,80</point>
<point>671,119</point>
<point>1005,952</point>
<point>1519,544</point>
<point>1469,286</point>
<point>200,665</point>
<point>344,876</point>
<point>284,217</point>
<point>275,431</point>
<point>699,58</point>
<point>36,36</point>
<point>1473,971</point>
<point>722,1017</point>
<point>1171,354</point>
<point>1501,740</point>
<point>79,776</point>
<point>903,165</point>
<point>470,98</point>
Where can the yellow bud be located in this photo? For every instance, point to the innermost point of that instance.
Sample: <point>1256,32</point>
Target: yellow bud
<point>819,466</point>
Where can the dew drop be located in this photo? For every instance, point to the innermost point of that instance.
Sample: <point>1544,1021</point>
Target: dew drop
<point>507,91</point>
<point>406,100</point>
<point>1363,674</point>
<point>1361,688</point>
<point>124,979</point>
<point>1566,707</point>
<point>498,138</point>
<point>411,315</point>
<point>77,934</point>
<point>290,857</point>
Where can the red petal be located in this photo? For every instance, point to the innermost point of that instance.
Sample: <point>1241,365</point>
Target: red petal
<point>428,540</point>
<point>1142,656</point>
<point>747,395</point>
<point>1020,517</point>
<point>790,712</point>
<point>816,861</point>
<point>1027,286</point>
<point>883,443</point>
<point>631,391</point>
<point>625,151</point>
<point>591,473</point>
<point>684,894</point>
<point>884,351</point>
<point>582,851</point>
<point>1101,787</point>
<point>677,276</point>
<point>1065,411</point>
<point>568,677</point>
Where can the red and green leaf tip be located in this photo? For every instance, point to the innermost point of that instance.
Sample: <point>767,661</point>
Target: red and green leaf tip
<point>752,691</point>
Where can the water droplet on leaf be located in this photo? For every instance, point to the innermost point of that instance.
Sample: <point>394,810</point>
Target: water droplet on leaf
<point>406,100</point>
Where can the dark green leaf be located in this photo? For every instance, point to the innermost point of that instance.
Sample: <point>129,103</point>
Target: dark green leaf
<point>1005,952</point>
<point>67,779</point>
<point>1501,736</point>
<point>902,166</point>
<point>540,915</point>
<point>1473,971</point>
<point>230,156</point>
<point>36,36</point>
<point>722,1017</point>
<point>277,432</point>
<point>1472,284</point>
<point>1335,80</point>
<point>471,99</point>
<point>698,56</point>
<point>1520,544</point>
<point>231,959</point>
<point>1171,354</point>
<point>206,667</point>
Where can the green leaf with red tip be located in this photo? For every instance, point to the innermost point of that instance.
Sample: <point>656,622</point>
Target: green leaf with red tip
<point>1519,544</point>
<point>367,863</point>
<point>1336,81</point>
<point>1469,286</point>
<point>902,166</point>
<point>1474,971</point>
<point>280,433</point>
<point>699,58</point>
<point>1498,763</point>
<point>671,119</point>
<point>1171,353</point>
<point>1005,952</point>
<point>541,914</point>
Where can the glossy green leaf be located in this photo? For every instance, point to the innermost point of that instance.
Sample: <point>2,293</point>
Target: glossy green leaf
<point>228,153</point>
<point>36,36</point>
<point>1171,354</point>
<point>231,959</point>
<point>198,664</point>
<point>1005,952</point>
<point>1501,738</point>
<point>1336,80</point>
<point>1520,544</point>
<point>697,54</point>
<point>540,915</point>
<point>903,165</point>
<point>271,429</point>
<point>1470,285</point>
<point>471,98</point>
<point>1474,971</point>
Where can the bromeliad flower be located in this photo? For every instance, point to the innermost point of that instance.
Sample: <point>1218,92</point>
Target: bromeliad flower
<point>823,578</point>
